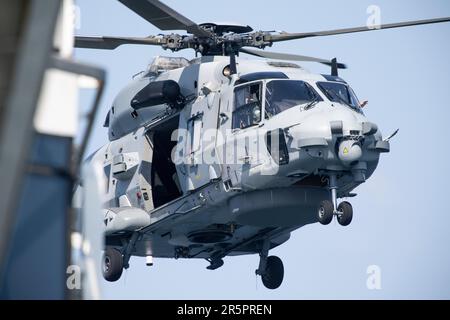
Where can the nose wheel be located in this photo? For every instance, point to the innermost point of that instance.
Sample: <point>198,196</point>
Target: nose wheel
<point>345,213</point>
<point>327,209</point>
<point>325,212</point>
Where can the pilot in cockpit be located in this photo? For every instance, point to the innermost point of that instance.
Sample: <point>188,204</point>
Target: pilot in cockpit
<point>247,106</point>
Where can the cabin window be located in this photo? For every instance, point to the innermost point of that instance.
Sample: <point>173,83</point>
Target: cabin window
<point>195,130</point>
<point>276,146</point>
<point>106,123</point>
<point>107,172</point>
<point>247,106</point>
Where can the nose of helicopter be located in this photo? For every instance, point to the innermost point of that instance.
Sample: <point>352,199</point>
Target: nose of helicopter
<point>337,137</point>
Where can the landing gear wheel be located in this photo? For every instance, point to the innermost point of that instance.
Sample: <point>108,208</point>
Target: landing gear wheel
<point>112,264</point>
<point>325,212</point>
<point>346,213</point>
<point>274,273</point>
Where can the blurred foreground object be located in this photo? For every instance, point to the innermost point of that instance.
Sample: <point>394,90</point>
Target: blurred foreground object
<point>39,89</point>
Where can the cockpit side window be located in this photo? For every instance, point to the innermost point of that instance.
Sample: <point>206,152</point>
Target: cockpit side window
<point>247,106</point>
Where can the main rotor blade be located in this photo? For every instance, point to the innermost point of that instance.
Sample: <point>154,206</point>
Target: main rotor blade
<point>291,36</point>
<point>164,17</point>
<point>110,43</point>
<point>288,56</point>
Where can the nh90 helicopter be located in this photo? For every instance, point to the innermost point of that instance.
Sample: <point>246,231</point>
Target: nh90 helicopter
<point>223,156</point>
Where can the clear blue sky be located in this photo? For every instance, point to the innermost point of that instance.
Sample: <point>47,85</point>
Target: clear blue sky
<point>401,219</point>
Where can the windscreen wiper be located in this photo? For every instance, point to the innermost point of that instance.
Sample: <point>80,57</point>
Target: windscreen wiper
<point>312,103</point>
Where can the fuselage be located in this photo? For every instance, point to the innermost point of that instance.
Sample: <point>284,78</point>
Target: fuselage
<point>310,142</point>
<point>271,129</point>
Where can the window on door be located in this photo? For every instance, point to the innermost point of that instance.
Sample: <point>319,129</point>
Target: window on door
<point>194,129</point>
<point>247,106</point>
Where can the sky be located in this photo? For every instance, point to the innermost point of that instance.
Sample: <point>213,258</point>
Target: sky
<point>401,222</point>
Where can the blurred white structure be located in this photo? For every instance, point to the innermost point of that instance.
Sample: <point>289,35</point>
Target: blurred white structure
<point>39,115</point>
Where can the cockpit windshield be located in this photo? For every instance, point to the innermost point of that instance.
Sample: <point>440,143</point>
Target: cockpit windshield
<point>340,92</point>
<point>285,94</point>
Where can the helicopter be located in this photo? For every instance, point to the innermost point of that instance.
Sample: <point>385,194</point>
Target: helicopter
<point>221,156</point>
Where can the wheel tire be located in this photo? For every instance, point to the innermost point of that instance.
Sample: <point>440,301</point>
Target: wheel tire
<point>325,212</point>
<point>346,217</point>
<point>274,273</point>
<point>112,264</point>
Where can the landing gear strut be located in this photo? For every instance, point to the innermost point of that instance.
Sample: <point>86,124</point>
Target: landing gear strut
<point>270,268</point>
<point>327,209</point>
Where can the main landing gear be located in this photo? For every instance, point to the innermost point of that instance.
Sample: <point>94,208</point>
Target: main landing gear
<point>115,260</point>
<point>270,268</point>
<point>112,264</point>
<point>327,209</point>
